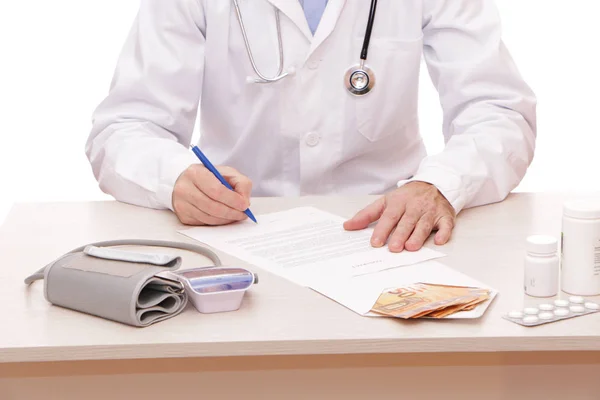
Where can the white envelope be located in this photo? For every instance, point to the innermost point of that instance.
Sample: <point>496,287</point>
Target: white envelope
<point>309,246</point>
<point>359,294</point>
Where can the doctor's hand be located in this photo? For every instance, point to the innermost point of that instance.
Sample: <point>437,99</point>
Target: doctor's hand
<point>407,216</point>
<point>200,199</point>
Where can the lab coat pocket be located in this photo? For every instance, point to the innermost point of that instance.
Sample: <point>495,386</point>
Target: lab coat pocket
<point>393,101</point>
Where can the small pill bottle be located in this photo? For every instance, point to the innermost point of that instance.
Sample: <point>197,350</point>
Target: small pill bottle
<point>541,266</point>
<point>580,247</point>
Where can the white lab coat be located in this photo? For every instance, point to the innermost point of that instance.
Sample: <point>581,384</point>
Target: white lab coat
<point>307,135</point>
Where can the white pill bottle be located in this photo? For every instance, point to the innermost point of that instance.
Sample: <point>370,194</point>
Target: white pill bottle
<point>541,266</point>
<point>580,247</point>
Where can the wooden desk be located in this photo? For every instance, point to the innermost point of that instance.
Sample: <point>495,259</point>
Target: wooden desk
<point>287,342</point>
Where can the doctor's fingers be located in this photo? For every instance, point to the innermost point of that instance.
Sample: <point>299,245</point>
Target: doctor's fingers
<point>189,214</point>
<point>421,232</point>
<point>393,213</point>
<point>240,183</point>
<point>445,225</point>
<point>366,216</point>
<point>208,184</point>
<point>407,224</point>
<point>212,207</point>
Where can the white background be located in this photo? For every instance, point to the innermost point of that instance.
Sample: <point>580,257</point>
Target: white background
<point>57,59</point>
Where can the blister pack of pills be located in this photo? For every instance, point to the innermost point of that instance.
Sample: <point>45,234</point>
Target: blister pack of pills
<point>552,311</point>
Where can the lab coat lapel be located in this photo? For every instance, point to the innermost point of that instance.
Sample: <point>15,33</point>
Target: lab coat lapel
<point>293,10</point>
<point>328,22</point>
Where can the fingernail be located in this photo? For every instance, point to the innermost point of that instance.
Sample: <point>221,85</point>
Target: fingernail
<point>376,242</point>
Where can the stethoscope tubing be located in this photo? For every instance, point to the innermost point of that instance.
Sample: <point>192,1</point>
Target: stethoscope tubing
<point>367,39</point>
<point>263,79</point>
<point>278,76</point>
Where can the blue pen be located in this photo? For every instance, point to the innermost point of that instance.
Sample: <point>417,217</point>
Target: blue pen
<point>216,173</point>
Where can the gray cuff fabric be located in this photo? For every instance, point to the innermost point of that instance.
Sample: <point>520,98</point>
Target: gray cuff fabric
<point>119,285</point>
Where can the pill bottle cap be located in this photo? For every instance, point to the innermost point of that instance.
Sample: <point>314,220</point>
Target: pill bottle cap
<point>541,244</point>
<point>582,208</point>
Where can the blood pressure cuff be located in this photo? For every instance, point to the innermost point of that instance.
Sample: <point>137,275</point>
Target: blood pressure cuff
<point>126,286</point>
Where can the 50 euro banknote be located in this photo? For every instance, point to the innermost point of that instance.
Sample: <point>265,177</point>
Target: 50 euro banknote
<point>428,300</point>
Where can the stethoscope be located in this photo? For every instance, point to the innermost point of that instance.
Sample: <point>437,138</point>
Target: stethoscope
<point>358,79</point>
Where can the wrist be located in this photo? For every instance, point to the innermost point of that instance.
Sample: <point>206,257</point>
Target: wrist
<point>172,169</point>
<point>448,184</point>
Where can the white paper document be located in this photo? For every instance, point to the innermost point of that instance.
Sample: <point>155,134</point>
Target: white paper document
<point>359,294</point>
<point>310,247</point>
<point>303,243</point>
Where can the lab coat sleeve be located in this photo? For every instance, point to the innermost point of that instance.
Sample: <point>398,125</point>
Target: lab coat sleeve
<point>138,145</point>
<point>489,112</point>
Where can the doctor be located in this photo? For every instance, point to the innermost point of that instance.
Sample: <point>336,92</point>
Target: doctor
<point>315,97</point>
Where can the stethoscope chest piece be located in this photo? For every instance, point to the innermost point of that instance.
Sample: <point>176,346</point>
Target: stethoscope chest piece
<point>359,79</point>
